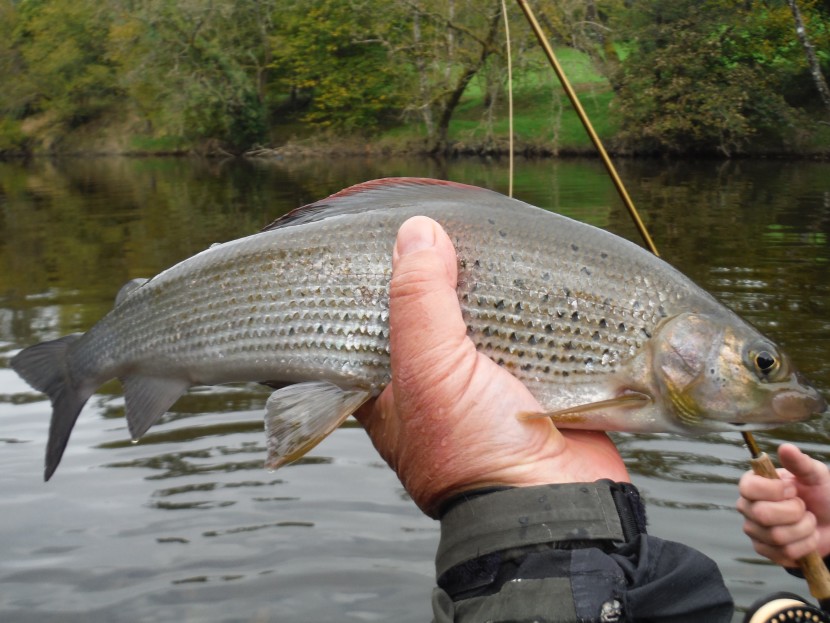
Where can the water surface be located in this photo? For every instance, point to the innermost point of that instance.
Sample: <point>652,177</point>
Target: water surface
<point>188,526</point>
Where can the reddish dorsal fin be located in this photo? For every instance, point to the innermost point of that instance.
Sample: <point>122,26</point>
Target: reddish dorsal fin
<point>359,198</point>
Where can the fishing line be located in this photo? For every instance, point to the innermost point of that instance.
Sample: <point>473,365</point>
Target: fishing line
<point>509,99</point>
<point>813,567</point>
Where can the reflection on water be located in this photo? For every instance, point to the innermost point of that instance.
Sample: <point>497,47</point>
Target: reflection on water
<point>334,537</point>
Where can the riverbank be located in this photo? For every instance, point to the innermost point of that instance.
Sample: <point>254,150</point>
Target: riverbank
<point>544,125</point>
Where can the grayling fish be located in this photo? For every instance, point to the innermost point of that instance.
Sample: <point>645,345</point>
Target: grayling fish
<point>604,334</point>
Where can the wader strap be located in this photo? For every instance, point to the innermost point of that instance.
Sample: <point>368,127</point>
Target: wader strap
<point>524,516</point>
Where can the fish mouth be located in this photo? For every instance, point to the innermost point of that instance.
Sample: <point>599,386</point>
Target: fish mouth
<point>793,406</point>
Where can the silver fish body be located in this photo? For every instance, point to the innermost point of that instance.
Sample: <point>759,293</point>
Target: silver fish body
<point>603,333</point>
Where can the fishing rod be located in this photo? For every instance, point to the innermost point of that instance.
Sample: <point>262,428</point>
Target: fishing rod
<point>812,566</point>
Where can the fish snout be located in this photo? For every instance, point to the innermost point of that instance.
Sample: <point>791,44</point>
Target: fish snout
<point>795,405</point>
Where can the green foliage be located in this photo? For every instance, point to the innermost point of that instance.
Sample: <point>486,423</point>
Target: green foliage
<point>336,53</point>
<point>12,138</point>
<point>708,75</point>
<point>67,73</point>
<point>687,75</point>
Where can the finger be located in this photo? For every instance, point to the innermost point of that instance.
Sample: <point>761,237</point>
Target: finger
<point>788,555</point>
<point>758,488</point>
<point>807,470</point>
<point>771,514</point>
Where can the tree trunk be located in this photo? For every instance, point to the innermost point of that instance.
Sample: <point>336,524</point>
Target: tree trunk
<point>450,102</point>
<point>420,66</point>
<point>809,50</point>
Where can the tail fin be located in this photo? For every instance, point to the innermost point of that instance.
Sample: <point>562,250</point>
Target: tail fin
<point>45,367</point>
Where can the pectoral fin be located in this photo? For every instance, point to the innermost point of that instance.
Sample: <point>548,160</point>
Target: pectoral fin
<point>582,413</point>
<point>300,416</point>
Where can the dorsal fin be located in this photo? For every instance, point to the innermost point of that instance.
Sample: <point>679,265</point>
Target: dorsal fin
<point>385,191</point>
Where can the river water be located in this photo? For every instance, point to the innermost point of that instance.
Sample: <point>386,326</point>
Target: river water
<point>188,526</point>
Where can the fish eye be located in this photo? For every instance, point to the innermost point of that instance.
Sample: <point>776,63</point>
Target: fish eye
<point>766,363</point>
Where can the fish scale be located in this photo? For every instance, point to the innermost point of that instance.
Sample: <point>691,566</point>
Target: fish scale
<point>605,335</point>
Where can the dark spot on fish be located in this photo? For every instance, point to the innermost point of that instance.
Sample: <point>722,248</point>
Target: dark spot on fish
<point>499,304</point>
<point>554,358</point>
<point>465,297</point>
<point>621,327</point>
<point>565,373</point>
<point>603,324</point>
<point>486,332</point>
<point>500,361</point>
<point>527,367</point>
<point>636,305</point>
<point>575,316</point>
<point>546,276</point>
<point>531,340</point>
<point>549,328</point>
<point>574,247</point>
<point>291,331</point>
<point>491,221</point>
<point>519,283</point>
<point>546,369</point>
<point>540,354</point>
<point>560,314</point>
<point>477,264</point>
<point>320,329</point>
<point>568,345</point>
<point>645,332</point>
<point>567,293</point>
<point>502,233</point>
<point>462,263</point>
<point>585,271</point>
<point>480,301</point>
<point>518,306</point>
<point>514,337</point>
<point>662,311</point>
<point>595,336</point>
<point>589,361</point>
<point>603,255</point>
<point>545,297</point>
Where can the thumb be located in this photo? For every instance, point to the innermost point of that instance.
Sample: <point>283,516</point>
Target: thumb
<point>806,470</point>
<point>427,330</point>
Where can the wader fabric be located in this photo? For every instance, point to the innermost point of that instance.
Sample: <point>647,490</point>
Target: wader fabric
<point>568,553</point>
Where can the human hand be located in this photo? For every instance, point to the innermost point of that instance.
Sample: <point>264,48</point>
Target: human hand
<point>788,518</point>
<point>447,422</point>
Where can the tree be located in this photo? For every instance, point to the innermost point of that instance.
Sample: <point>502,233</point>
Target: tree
<point>195,69</point>
<point>66,71</point>
<point>703,76</point>
<point>810,53</point>
<point>452,40</point>
<point>338,55</point>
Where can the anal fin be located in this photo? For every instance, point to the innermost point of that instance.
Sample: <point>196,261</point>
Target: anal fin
<point>300,416</point>
<point>147,398</point>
